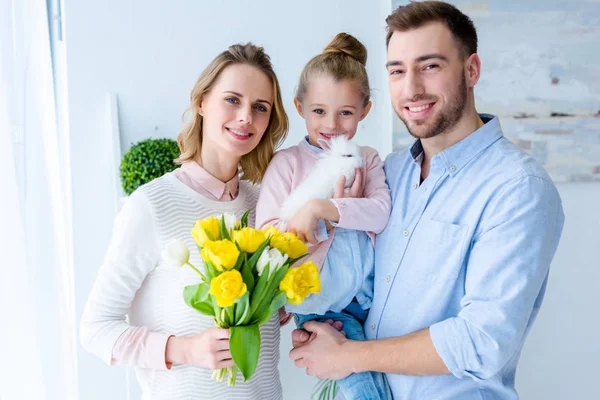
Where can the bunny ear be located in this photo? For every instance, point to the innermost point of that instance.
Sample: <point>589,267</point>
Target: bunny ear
<point>324,144</point>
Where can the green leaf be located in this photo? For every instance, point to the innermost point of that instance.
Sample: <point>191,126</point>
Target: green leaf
<point>278,277</point>
<point>205,308</point>
<point>242,309</point>
<point>247,276</point>
<point>223,227</point>
<point>220,316</point>
<point>244,344</point>
<point>259,290</point>
<point>196,293</point>
<point>244,220</point>
<point>211,271</point>
<point>293,261</point>
<point>196,296</point>
<point>218,312</point>
<point>254,259</point>
<point>241,259</point>
<point>229,314</point>
<point>278,302</point>
<point>273,286</point>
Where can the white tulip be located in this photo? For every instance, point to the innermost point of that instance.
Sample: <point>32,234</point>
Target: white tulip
<point>273,257</point>
<point>176,253</point>
<point>230,222</point>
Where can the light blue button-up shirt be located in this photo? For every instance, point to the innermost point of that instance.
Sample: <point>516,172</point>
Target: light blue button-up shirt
<point>466,253</point>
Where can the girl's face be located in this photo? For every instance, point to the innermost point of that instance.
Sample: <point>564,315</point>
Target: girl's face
<point>331,108</point>
<point>236,110</point>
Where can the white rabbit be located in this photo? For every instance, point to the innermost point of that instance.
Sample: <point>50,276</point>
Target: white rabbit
<point>340,157</point>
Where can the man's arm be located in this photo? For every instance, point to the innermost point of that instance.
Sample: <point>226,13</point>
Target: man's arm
<point>328,354</point>
<point>413,354</point>
<point>505,280</point>
<point>506,272</point>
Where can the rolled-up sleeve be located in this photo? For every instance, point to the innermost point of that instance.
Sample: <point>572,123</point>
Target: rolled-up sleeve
<point>506,272</point>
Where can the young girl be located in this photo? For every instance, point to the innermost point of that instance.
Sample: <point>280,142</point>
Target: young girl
<point>237,121</point>
<point>333,96</point>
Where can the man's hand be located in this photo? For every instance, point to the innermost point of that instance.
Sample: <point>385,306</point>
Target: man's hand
<point>300,336</point>
<point>324,354</point>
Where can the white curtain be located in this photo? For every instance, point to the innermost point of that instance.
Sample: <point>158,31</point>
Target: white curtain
<point>37,312</point>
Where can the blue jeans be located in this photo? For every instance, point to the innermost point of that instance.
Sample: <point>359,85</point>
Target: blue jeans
<point>363,385</point>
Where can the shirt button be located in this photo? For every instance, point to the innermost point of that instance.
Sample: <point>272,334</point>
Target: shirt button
<point>373,326</point>
<point>453,168</point>
<point>405,233</point>
<point>388,278</point>
<point>415,186</point>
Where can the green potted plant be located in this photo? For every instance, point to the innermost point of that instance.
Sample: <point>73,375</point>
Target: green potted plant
<point>147,160</point>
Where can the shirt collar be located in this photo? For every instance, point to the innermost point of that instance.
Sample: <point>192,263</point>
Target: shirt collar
<point>314,149</point>
<point>457,156</point>
<point>214,186</point>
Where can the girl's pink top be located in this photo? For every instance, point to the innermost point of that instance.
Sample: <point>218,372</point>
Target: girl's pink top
<point>291,166</point>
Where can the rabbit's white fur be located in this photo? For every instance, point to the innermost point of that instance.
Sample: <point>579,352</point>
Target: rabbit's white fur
<point>340,157</point>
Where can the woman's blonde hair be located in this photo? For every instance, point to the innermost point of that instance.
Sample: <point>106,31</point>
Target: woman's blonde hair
<point>254,164</point>
<point>344,58</point>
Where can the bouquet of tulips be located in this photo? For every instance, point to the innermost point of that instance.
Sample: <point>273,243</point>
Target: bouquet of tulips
<point>247,279</point>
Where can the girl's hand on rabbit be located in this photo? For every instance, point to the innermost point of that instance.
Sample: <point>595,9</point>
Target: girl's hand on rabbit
<point>355,191</point>
<point>304,223</point>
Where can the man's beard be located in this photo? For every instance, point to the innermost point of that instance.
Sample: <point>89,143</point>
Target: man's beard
<point>446,118</point>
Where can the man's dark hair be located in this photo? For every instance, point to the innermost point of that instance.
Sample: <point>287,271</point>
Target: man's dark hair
<point>416,14</point>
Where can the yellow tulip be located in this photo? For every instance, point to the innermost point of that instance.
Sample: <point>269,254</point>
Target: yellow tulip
<point>206,229</point>
<point>222,253</point>
<point>271,231</point>
<point>227,288</point>
<point>289,244</point>
<point>299,282</point>
<point>249,239</point>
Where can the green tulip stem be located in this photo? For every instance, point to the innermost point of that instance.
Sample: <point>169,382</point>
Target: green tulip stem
<point>197,271</point>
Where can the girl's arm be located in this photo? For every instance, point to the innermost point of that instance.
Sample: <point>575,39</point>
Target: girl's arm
<point>275,187</point>
<point>366,209</point>
<point>371,211</point>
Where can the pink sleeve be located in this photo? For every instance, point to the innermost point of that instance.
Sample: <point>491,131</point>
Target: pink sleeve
<point>371,212</point>
<point>275,187</point>
<point>141,347</point>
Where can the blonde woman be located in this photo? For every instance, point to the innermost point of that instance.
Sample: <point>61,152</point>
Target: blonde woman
<point>237,121</point>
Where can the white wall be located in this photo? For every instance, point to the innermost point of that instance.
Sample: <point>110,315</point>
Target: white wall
<point>560,358</point>
<point>150,53</point>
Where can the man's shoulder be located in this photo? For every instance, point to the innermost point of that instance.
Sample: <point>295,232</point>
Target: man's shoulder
<point>506,158</point>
